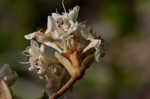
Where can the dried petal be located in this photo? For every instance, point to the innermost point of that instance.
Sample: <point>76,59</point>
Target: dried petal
<point>94,43</point>
<point>73,14</point>
<point>50,25</point>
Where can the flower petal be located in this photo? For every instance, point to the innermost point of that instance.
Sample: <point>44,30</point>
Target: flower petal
<point>42,48</point>
<point>30,36</point>
<point>53,45</point>
<point>73,14</point>
<point>94,43</point>
<point>56,16</point>
<point>34,50</point>
<point>49,25</point>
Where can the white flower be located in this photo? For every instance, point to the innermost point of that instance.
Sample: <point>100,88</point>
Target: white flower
<point>66,23</point>
<point>59,29</point>
<point>73,46</point>
<point>37,58</point>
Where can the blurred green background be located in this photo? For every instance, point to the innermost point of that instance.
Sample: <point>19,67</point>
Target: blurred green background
<point>124,73</point>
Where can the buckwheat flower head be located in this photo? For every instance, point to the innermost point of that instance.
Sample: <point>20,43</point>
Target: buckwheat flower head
<point>71,42</point>
<point>60,35</point>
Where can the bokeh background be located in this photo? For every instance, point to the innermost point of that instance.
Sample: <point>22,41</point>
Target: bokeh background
<point>124,73</point>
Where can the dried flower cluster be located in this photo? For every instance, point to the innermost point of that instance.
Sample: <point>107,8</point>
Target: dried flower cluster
<point>74,50</point>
